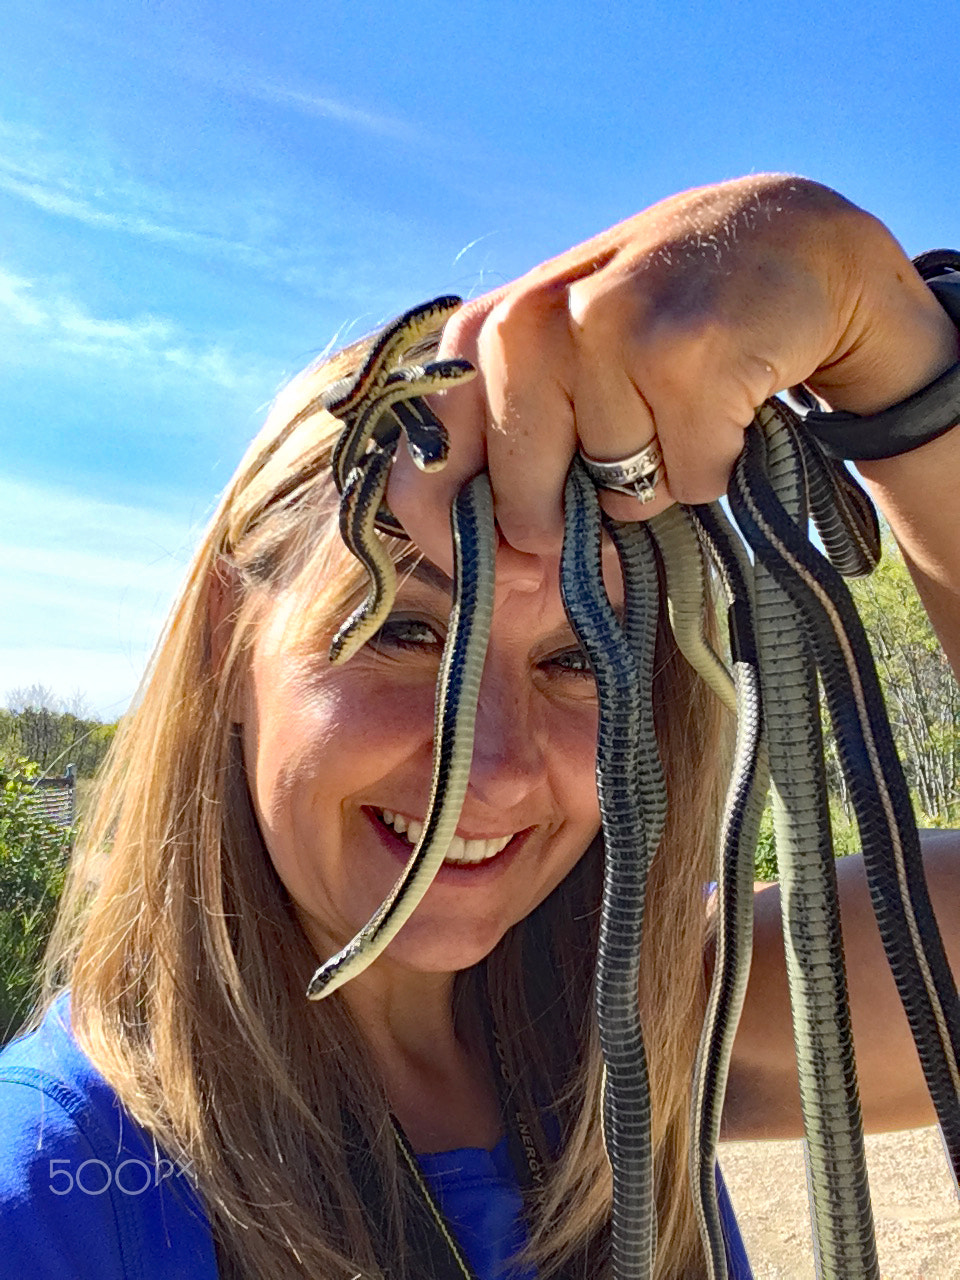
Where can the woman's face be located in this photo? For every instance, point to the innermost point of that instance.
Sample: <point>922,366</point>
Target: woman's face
<point>339,757</point>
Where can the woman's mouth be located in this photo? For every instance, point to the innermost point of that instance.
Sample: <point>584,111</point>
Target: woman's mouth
<point>402,834</point>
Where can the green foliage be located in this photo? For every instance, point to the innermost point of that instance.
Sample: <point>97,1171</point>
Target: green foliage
<point>33,856</point>
<point>53,739</point>
<point>765,859</point>
<point>923,698</point>
<point>923,704</point>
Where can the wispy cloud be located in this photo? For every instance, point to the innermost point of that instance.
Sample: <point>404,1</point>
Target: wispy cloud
<point>38,320</point>
<point>64,522</point>
<point>196,58</point>
<point>87,187</point>
<point>268,228</point>
<point>310,103</point>
<point>47,196</point>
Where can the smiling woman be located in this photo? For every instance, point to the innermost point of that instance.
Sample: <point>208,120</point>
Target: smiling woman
<point>441,1114</point>
<point>246,814</point>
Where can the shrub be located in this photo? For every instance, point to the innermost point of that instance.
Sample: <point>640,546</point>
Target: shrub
<point>33,857</point>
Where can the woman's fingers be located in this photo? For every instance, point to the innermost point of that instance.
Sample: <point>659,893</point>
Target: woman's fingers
<point>555,376</point>
<point>675,325</point>
<point>614,420</point>
<point>515,419</point>
<point>525,355</point>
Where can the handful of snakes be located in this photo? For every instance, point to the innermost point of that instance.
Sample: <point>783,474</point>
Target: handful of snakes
<point>790,617</point>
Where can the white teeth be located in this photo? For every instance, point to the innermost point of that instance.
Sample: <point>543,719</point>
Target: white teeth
<point>475,850</point>
<point>460,850</point>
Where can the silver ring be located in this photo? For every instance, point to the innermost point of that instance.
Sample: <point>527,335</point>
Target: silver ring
<point>636,475</point>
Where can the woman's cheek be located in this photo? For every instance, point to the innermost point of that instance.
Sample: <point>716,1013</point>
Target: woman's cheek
<point>388,717</point>
<point>364,702</point>
<point>572,734</point>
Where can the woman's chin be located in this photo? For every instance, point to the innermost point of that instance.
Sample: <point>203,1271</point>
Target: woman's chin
<point>433,940</point>
<point>432,951</point>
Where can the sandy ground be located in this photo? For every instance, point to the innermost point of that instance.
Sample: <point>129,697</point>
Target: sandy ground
<point>914,1204</point>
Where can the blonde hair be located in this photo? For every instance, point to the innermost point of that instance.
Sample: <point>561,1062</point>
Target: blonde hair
<point>187,965</point>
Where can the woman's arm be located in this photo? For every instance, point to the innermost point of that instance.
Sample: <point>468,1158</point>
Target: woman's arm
<point>763,1099</point>
<point>678,323</point>
<point>919,494</point>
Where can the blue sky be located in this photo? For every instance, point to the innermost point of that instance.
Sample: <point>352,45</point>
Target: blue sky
<point>196,199</point>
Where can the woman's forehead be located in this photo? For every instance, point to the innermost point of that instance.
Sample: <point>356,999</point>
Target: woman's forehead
<point>416,568</point>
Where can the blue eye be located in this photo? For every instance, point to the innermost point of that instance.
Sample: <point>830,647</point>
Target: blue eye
<point>406,633</point>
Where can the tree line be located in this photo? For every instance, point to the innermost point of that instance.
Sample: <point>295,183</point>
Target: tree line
<point>40,734</point>
<point>923,706</point>
<point>51,732</point>
<point>920,688</point>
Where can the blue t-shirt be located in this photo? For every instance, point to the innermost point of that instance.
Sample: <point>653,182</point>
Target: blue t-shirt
<point>85,1193</point>
<point>478,1194</point>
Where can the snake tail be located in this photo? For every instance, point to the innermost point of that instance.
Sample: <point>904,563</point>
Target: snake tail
<point>360,503</point>
<point>841,1212</point>
<point>735,875</point>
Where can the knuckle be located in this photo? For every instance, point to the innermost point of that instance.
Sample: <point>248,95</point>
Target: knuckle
<point>462,329</point>
<point>531,532</point>
<point>599,311</point>
<point>519,319</point>
<point>786,191</point>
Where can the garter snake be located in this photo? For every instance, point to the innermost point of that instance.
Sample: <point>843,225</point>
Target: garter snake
<point>380,399</point>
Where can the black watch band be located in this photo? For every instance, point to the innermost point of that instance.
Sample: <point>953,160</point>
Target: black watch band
<point>928,413</point>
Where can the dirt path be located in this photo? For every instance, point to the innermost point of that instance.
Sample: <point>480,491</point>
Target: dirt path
<point>914,1203</point>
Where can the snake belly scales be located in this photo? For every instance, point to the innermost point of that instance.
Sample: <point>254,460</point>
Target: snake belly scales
<point>790,616</point>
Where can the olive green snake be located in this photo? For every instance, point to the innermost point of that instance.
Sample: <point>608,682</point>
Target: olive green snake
<point>789,616</point>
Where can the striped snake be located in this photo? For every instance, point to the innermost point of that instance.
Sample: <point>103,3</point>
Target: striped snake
<point>790,616</point>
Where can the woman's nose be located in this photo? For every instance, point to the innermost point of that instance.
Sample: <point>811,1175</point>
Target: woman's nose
<point>508,760</point>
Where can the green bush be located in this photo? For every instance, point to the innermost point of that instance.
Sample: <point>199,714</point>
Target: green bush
<point>33,857</point>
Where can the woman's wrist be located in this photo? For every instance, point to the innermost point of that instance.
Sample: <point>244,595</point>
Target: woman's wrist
<point>923,414</point>
<point>917,493</point>
<point>907,341</point>
<point>895,337</point>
